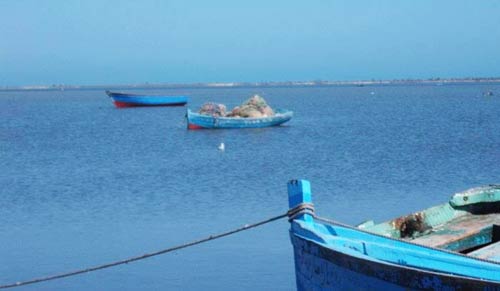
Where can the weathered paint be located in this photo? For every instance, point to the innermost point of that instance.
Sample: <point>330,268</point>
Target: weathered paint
<point>211,122</point>
<point>469,242</point>
<point>337,257</point>
<point>489,252</point>
<point>449,226</point>
<point>132,100</point>
<point>322,268</point>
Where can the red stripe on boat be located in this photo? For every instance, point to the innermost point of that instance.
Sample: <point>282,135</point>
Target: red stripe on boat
<point>120,104</point>
<point>123,104</point>
<point>194,126</point>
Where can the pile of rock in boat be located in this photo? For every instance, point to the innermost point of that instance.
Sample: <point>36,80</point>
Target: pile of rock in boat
<point>254,107</point>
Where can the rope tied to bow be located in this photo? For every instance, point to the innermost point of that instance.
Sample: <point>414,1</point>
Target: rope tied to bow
<point>303,208</point>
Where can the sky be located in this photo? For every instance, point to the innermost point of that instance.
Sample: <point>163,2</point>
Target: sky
<point>99,42</point>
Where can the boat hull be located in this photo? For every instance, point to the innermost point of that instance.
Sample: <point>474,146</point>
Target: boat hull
<point>321,268</point>
<point>134,100</point>
<point>334,256</point>
<point>200,121</point>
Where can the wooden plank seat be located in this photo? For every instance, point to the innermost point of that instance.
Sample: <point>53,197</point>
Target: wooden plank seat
<point>489,252</point>
<point>461,233</point>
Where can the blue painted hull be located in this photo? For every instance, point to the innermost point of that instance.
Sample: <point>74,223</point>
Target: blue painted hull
<point>319,267</point>
<point>332,256</point>
<point>200,121</point>
<point>128,100</point>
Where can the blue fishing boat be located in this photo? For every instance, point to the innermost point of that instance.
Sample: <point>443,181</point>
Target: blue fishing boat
<point>201,121</point>
<point>132,100</point>
<point>452,246</point>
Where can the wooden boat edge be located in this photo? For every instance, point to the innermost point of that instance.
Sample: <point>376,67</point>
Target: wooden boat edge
<point>464,268</point>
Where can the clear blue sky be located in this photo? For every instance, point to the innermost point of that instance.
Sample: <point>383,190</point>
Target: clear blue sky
<point>102,42</point>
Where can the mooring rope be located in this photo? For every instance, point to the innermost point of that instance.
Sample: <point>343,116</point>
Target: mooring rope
<point>303,208</point>
<point>142,257</point>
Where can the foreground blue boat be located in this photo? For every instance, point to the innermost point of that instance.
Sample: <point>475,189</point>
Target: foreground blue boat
<point>202,121</point>
<point>453,246</point>
<point>132,100</point>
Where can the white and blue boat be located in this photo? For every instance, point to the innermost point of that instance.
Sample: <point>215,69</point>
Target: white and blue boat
<point>203,121</point>
<point>452,246</point>
<point>132,100</point>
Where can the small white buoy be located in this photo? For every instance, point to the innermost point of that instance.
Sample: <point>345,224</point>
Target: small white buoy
<point>221,146</point>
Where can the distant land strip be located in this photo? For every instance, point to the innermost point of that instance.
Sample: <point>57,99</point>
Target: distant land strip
<point>316,83</point>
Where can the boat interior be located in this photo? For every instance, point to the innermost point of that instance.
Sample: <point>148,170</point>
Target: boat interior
<point>469,224</point>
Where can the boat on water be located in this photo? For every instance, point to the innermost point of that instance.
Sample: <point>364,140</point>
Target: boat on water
<point>131,100</point>
<point>203,121</point>
<point>452,246</point>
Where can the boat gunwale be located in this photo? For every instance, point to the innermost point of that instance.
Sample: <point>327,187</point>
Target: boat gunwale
<point>326,222</point>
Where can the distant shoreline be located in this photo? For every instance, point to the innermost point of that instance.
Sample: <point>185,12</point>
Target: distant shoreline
<point>361,83</point>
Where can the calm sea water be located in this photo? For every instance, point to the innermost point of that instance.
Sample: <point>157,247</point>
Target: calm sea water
<point>83,183</point>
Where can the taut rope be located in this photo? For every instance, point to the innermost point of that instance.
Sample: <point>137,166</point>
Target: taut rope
<point>142,257</point>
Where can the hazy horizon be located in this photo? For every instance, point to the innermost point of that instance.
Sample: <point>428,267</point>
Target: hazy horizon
<point>332,82</point>
<point>127,42</point>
